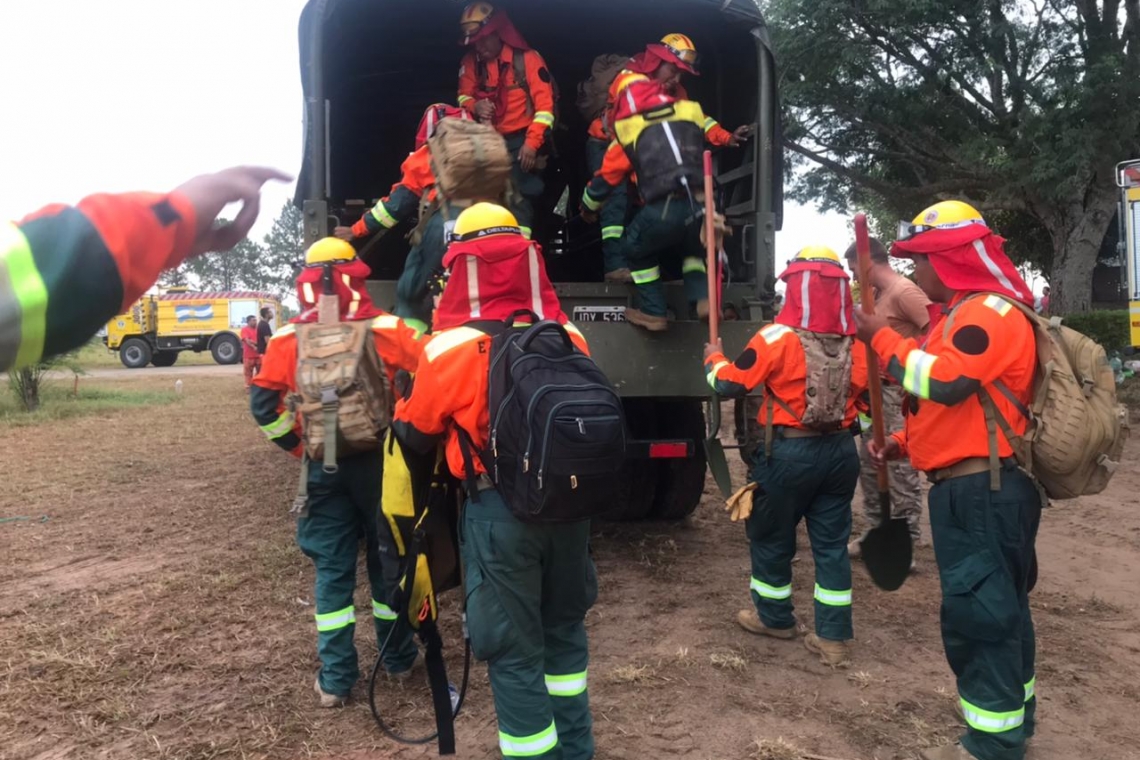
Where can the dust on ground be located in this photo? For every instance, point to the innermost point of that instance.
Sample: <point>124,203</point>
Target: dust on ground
<point>163,611</point>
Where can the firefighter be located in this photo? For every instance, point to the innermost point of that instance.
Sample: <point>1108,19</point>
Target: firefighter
<point>414,195</point>
<point>907,309</point>
<point>503,82</point>
<point>64,271</point>
<point>983,514</point>
<point>665,62</point>
<point>671,219</point>
<point>342,505</point>
<point>529,586</point>
<point>801,472</point>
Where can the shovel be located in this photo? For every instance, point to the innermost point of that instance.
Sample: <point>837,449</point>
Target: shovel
<point>714,450</point>
<point>887,549</point>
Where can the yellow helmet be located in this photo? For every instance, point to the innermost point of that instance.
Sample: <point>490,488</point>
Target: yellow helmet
<point>946,215</point>
<point>329,250</point>
<point>474,16</point>
<point>682,49</point>
<point>484,220</point>
<point>818,253</point>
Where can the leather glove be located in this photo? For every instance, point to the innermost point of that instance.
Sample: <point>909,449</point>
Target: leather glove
<point>740,503</point>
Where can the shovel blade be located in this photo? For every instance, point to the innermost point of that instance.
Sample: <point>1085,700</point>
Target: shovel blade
<point>888,552</point>
<point>718,465</point>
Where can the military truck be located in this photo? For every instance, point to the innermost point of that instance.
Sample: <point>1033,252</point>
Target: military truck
<point>370,67</point>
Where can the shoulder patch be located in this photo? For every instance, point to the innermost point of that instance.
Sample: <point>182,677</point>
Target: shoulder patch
<point>772,333</point>
<point>998,304</point>
<point>971,339</point>
<point>544,75</point>
<point>445,341</point>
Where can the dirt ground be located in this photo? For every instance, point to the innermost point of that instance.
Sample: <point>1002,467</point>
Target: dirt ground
<point>163,611</point>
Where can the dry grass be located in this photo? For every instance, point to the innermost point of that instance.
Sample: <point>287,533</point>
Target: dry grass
<point>630,674</point>
<point>775,749</point>
<point>728,661</point>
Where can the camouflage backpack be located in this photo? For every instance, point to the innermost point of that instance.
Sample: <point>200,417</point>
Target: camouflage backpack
<point>827,384</point>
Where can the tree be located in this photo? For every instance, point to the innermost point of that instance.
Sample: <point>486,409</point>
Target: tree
<point>283,250</point>
<point>1022,107</point>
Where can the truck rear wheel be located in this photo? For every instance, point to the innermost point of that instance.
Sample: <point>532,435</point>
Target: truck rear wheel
<point>680,482</point>
<point>164,358</point>
<point>135,353</point>
<point>226,349</point>
<point>633,499</point>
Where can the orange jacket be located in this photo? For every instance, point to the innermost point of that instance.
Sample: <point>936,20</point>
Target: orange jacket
<point>480,80</point>
<point>599,128</point>
<point>616,166</point>
<point>64,271</point>
<point>396,343</point>
<point>404,200</point>
<point>774,359</point>
<point>714,132</point>
<point>989,340</point>
<point>450,389</point>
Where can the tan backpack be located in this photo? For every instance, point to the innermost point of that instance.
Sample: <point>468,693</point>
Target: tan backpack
<point>470,160</point>
<point>1076,430</point>
<point>827,385</point>
<point>343,395</point>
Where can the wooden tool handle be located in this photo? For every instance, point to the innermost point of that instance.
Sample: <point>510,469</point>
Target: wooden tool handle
<point>874,379</point>
<point>710,249</point>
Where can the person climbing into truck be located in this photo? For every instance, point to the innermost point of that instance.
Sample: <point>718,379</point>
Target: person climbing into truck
<point>661,139</point>
<point>529,584</point>
<point>66,270</point>
<point>324,395</point>
<point>414,196</point>
<point>504,82</point>
<point>808,465</point>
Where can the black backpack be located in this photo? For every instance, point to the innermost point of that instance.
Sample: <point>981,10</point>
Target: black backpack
<point>557,428</point>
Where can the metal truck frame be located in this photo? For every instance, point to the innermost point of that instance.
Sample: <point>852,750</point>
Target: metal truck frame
<point>370,67</point>
<point>1128,180</point>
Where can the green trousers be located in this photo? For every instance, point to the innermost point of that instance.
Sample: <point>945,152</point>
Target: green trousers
<point>344,507</point>
<point>984,542</point>
<point>412,289</point>
<point>528,184</point>
<point>812,479</point>
<point>666,231</point>
<point>612,214</point>
<point>528,589</point>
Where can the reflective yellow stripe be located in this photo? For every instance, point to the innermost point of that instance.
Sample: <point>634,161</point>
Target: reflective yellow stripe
<point>589,202</point>
<point>919,365</point>
<point>1000,305</point>
<point>570,328</point>
<point>832,598</point>
<point>528,746</point>
<point>712,373</point>
<point>773,333</point>
<point>383,611</point>
<point>545,118</point>
<point>280,427</point>
<point>334,621</point>
<point>443,342</point>
<point>386,322</point>
<point>612,233</point>
<point>526,231</point>
<point>692,264</point>
<point>1031,689</point>
<point>380,214</point>
<point>464,98</point>
<point>771,592</point>
<point>710,122</point>
<point>30,293</point>
<point>992,722</point>
<point>646,276</point>
<point>569,685</point>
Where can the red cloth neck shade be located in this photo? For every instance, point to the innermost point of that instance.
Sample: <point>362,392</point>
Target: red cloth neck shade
<point>655,54</point>
<point>432,118</point>
<point>968,259</point>
<point>817,299</point>
<point>349,282</point>
<point>493,277</point>
<point>499,23</point>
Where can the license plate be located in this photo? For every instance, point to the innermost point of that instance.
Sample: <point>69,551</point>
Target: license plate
<point>599,314</point>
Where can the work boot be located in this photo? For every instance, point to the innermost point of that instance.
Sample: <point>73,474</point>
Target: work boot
<point>648,322</point>
<point>405,675</point>
<point>619,275</point>
<point>328,700</point>
<point>855,549</point>
<point>833,653</point>
<point>949,752</point>
<point>703,310</point>
<point>750,621</point>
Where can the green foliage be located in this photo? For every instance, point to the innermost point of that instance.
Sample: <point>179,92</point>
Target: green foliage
<point>59,403</point>
<point>27,383</point>
<point>1108,328</point>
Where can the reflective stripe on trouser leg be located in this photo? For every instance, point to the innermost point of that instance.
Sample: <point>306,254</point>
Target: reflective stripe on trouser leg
<point>827,511</point>
<point>334,621</point>
<point>771,530</point>
<point>832,598</point>
<point>646,276</point>
<point>692,264</point>
<point>991,722</point>
<point>569,685</point>
<point>529,746</point>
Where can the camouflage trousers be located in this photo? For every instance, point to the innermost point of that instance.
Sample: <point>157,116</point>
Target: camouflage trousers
<point>906,489</point>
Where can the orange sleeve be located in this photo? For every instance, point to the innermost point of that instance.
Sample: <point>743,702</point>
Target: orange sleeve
<point>542,93</point>
<point>468,82</point>
<point>716,134</point>
<point>396,343</point>
<point>615,167</point>
<point>751,369</point>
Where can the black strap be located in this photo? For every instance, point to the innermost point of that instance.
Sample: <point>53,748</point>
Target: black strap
<point>469,477</point>
<point>440,689</point>
<point>519,61</point>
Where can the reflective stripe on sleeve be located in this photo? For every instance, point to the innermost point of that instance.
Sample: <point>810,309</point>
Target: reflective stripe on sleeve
<point>528,746</point>
<point>713,371</point>
<point>589,202</point>
<point>569,685</point>
<point>916,380</point>
<point>545,118</point>
<point>386,322</point>
<point>463,99</point>
<point>771,592</point>
<point>443,342</point>
<point>280,427</point>
<point>613,233</point>
<point>380,214</point>
<point>25,293</point>
<point>692,264</point>
<point>710,122</point>
<point>831,597</point>
<point>334,621</point>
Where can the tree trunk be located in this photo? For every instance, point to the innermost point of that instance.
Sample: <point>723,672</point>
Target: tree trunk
<point>1077,234</point>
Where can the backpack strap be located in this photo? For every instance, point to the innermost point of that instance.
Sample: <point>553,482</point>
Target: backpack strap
<point>769,428</point>
<point>330,406</point>
<point>466,446</point>
<point>300,507</point>
<point>518,59</point>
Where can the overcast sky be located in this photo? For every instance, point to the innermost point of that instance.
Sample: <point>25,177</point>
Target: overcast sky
<point>116,95</point>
